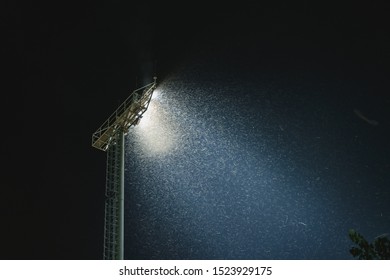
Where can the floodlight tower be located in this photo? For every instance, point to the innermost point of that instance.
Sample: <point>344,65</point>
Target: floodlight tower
<point>109,137</point>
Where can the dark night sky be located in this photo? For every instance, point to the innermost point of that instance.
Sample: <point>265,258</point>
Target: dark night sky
<point>69,65</point>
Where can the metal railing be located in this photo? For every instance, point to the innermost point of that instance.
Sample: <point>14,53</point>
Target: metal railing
<point>126,115</point>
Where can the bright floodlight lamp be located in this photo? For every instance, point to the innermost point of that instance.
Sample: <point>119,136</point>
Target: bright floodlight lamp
<point>110,137</point>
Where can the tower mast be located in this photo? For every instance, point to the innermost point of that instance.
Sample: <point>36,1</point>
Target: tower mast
<point>110,138</point>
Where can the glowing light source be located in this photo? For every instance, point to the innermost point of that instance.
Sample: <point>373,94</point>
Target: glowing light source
<point>155,130</point>
<point>156,94</point>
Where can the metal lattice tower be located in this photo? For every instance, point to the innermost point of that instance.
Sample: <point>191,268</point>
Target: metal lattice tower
<point>110,137</point>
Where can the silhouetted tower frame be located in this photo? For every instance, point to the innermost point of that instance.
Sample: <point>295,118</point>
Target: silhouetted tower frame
<point>110,138</point>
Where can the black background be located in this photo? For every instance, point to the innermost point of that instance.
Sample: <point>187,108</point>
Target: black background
<point>68,65</point>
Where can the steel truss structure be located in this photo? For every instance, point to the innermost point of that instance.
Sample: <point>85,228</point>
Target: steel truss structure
<point>110,137</point>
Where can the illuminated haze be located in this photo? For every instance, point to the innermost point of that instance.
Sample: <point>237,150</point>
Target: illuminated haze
<point>224,167</point>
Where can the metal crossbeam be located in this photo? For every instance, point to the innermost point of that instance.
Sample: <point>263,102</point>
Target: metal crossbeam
<point>127,114</point>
